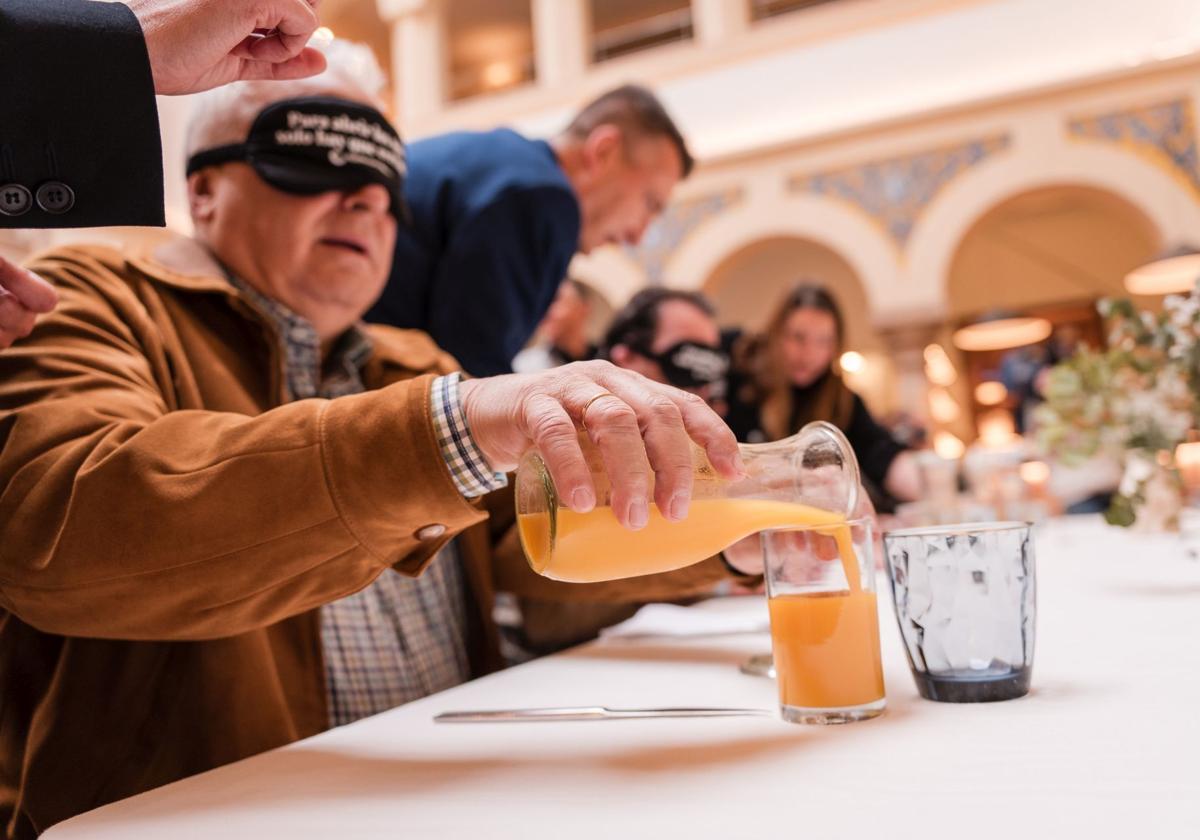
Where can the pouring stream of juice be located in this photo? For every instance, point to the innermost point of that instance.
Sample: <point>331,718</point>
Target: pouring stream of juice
<point>593,546</point>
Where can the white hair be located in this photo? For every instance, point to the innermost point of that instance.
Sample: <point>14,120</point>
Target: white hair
<point>224,115</point>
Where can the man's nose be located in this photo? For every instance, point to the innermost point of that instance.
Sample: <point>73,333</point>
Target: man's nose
<point>370,197</point>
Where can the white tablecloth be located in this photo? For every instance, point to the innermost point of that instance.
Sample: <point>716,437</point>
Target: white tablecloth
<point>1106,745</point>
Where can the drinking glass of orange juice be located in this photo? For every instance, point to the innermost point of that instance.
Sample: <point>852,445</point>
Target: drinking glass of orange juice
<point>825,622</point>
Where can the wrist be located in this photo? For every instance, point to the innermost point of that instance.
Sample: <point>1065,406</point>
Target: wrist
<point>470,399</point>
<point>469,467</point>
<point>744,558</point>
<point>734,570</point>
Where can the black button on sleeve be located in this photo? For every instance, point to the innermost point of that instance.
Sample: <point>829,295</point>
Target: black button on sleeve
<point>55,197</point>
<point>15,200</point>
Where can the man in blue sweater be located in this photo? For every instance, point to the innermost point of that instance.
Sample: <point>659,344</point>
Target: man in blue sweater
<point>497,217</point>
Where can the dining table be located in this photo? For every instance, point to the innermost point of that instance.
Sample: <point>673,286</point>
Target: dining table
<point>1106,743</point>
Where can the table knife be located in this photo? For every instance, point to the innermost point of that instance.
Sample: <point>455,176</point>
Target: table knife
<point>587,713</point>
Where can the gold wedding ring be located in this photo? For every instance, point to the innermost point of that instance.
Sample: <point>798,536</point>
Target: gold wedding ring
<point>588,404</point>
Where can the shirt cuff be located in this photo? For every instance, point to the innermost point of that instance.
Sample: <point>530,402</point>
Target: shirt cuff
<point>468,467</point>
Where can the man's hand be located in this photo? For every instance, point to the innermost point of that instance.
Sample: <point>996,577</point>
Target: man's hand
<point>195,45</point>
<point>747,555</point>
<point>632,420</point>
<point>22,296</point>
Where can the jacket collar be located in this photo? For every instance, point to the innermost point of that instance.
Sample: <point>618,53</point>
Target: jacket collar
<point>181,262</point>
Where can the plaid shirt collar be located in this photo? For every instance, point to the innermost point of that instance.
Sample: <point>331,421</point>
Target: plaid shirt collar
<point>341,373</point>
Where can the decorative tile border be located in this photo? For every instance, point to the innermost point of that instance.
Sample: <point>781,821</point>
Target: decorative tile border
<point>894,192</point>
<point>1163,133</point>
<point>664,237</point>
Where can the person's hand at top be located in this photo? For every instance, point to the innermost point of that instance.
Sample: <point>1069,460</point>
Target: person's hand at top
<point>23,295</point>
<point>633,421</point>
<point>196,45</point>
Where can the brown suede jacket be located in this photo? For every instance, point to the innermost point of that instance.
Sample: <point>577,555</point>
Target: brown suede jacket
<point>169,525</point>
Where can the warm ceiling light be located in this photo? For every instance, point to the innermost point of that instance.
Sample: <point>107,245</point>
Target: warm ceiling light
<point>1002,334</point>
<point>997,429</point>
<point>948,446</point>
<point>938,368</point>
<point>1187,460</point>
<point>990,393</point>
<point>499,74</point>
<point>852,362</point>
<point>1173,272</point>
<point>1036,473</point>
<point>942,407</point>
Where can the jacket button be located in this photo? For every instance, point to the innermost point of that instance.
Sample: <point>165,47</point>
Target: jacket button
<point>55,197</point>
<point>431,532</point>
<point>15,200</point>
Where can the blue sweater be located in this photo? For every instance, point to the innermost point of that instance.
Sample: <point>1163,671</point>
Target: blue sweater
<point>495,224</point>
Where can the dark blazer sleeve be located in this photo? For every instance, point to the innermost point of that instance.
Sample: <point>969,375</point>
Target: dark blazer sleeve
<point>79,138</point>
<point>498,275</point>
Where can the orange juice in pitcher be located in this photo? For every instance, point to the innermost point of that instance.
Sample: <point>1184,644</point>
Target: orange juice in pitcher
<point>809,479</point>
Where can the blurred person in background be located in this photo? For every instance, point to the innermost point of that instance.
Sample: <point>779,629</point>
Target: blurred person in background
<point>790,380</point>
<point>671,336</point>
<point>1023,371</point>
<point>497,217</point>
<point>562,337</point>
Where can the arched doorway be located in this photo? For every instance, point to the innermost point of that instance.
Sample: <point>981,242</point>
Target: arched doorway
<point>1051,252</point>
<point>1049,246</point>
<point>748,284</point>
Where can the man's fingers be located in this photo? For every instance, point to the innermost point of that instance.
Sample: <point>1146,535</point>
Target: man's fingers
<point>667,446</point>
<point>271,48</point>
<point>795,556</point>
<point>15,320</point>
<point>707,428</point>
<point>309,62</point>
<point>612,424</point>
<point>553,432</point>
<point>824,546</point>
<point>290,22</point>
<point>31,291</point>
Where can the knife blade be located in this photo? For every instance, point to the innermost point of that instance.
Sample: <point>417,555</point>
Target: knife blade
<point>587,713</point>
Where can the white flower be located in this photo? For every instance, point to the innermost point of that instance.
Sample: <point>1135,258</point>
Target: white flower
<point>1137,470</point>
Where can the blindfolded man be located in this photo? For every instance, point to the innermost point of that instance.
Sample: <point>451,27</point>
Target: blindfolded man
<point>219,487</point>
<point>670,336</point>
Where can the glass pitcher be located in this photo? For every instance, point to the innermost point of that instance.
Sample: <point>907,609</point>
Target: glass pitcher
<point>810,478</point>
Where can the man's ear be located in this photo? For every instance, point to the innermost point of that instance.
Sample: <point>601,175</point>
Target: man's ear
<point>201,196</point>
<point>604,147</point>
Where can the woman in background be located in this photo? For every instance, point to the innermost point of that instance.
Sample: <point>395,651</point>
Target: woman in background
<point>788,380</point>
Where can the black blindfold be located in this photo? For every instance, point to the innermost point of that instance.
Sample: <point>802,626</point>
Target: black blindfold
<point>690,365</point>
<point>313,145</point>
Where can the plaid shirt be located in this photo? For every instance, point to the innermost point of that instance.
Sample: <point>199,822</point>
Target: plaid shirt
<point>400,638</point>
